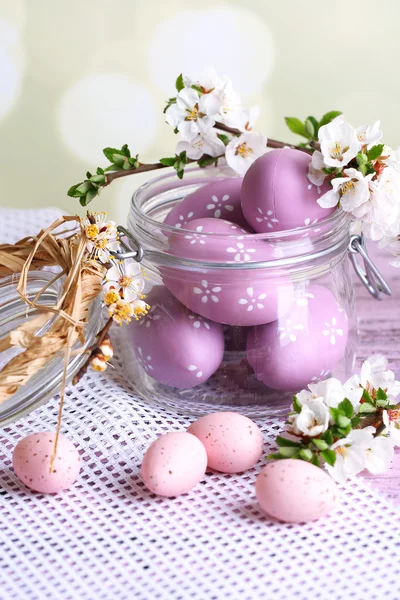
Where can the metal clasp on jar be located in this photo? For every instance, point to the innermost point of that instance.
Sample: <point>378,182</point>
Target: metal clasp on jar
<point>371,277</point>
<point>129,253</point>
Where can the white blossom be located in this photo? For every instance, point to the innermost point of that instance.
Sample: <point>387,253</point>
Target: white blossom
<point>242,151</point>
<point>350,454</point>
<point>374,375</point>
<point>207,142</point>
<point>332,392</point>
<point>312,420</point>
<point>381,215</point>
<point>101,235</point>
<point>315,172</point>
<point>351,191</point>
<point>193,114</point>
<point>339,143</point>
<point>379,455</point>
<point>126,277</point>
<point>391,420</point>
<point>369,135</point>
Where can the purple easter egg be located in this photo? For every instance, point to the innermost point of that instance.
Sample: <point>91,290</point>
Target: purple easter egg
<point>218,200</point>
<point>303,346</point>
<point>175,346</point>
<point>277,195</point>
<point>238,296</point>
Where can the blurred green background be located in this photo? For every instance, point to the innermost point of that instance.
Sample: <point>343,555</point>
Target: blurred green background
<point>81,75</point>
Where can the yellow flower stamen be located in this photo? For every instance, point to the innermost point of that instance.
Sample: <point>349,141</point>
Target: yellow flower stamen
<point>111,297</point>
<point>192,114</point>
<point>141,311</point>
<point>125,281</point>
<point>243,150</point>
<point>121,312</point>
<point>347,187</point>
<point>342,450</point>
<point>92,231</point>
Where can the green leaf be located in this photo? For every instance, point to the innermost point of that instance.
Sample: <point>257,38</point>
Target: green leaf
<point>311,126</point>
<point>179,83</point>
<point>281,441</point>
<point>366,397</point>
<point>168,162</point>
<point>207,161</point>
<point>335,413</point>
<point>329,116</point>
<point>382,403</point>
<point>320,444</point>
<point>306,454</point>
<point>375,152</point>
<point>355,422</point>
<point>343,421</point>
<point>329,456</point>
<point>182,156</point>
<point>225,139</point>
<point>327,436</point>
<point>170,102</point>
<point>315,460</point>
<point>274,456</point>
<point>109,153</point>
<point>100,179</point>
<point>296,126</point>
<point>366,408</point>
<point>72,191</point>
<point>346,408</point>
<point>381,394</point>
<point>361,158</point>
<point>83,188</point>
<point>198,89</point>
<point>90,195</point>
<point>296,405</point>
<point>288,451</point>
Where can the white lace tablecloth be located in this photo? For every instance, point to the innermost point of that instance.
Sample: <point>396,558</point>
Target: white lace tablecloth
<point>108,538</point>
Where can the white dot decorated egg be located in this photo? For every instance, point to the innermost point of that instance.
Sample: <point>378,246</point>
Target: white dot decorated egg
<point>175,346</point>
<point>277,195</point>
<point>237,296</point>
<point>303,346</point>
<point>219,200</point>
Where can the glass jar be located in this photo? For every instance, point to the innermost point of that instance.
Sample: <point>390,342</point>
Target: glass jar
<point>244,324</point>
<point>44,384</point>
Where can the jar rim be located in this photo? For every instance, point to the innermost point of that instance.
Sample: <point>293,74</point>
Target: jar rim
<point>142,225</point>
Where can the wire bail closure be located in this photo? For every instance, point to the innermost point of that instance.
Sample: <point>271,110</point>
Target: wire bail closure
<point>371,277</point>
<point>129,253</point>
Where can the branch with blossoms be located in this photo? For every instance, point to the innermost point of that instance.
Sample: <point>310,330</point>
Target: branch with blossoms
<point>345,428</point>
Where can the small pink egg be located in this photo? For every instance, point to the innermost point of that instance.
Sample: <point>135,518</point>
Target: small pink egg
<point>174,464</point>
<point>233,442</point>
<point>295,491</point>
<point>31,461</point>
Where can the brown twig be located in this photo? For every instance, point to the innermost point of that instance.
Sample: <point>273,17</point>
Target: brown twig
<point>100,339</point>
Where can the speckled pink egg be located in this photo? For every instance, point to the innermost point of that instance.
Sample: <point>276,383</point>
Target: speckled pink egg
<point>277,195</point>
<point>175,346</point>
<point>31,461</point>
<point>233,442</point>
<point>219,200</point>
<point>295,491</point>
<point>237,296</point>
<point>174,464</point>
<point>303,346</point>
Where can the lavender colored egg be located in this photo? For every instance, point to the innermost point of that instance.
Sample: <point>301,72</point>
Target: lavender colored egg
<point>277,195</point>
<point>241,296</point>
<point>219,200</point>
<point>303,346</point>
<point>175,346</point>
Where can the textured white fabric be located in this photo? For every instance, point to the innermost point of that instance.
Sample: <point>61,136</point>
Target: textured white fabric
<point>107,538</point>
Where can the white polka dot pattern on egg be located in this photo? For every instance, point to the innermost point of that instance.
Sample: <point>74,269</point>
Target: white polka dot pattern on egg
<point>267,217</point>
<point>252,301</point>
<point>207,292</point>
<point>219,205</point>
<point>332,331</point>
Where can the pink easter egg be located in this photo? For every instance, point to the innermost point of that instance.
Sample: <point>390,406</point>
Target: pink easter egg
<point>232,441</point>
<point>238,296</point>
<point>277,195</point>
<point>303,346</point>
<point>175,346</point>
<point>31,461</point>
<point>295,491</point>
<point>174,464</point>
<point>219,200</point>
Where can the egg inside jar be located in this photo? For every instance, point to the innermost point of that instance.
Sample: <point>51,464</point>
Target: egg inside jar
<point>249,288</point>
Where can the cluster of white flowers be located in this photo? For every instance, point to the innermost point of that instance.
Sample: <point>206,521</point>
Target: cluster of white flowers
<point>199,106</point>
<point>124,282</point>
<point>365,179</point>
<point>361,448</point>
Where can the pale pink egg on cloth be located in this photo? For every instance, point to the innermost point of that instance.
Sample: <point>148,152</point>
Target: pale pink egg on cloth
<point>219,200</point>
<point>31,461</point>
<point>233,442</point>
<point>303,346</point>
<point>174,464</point>
<point>175,346</point>
<point>295,491</point>
<point>234,296</point>
<point>277,195</point>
